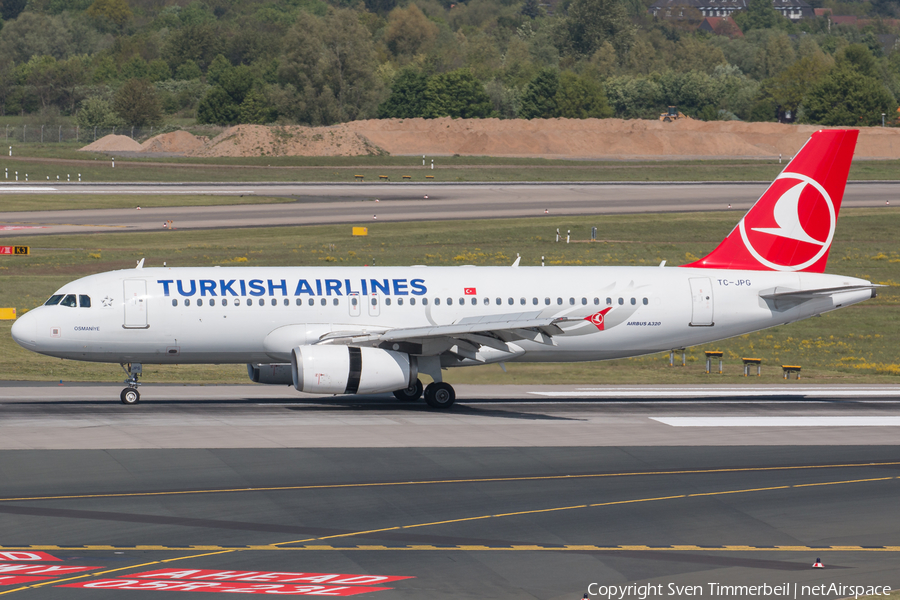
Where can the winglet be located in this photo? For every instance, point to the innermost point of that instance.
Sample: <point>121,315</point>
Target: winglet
<point>791,226</point>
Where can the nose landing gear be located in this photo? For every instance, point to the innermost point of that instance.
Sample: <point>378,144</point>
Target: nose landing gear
<point>130,394</point>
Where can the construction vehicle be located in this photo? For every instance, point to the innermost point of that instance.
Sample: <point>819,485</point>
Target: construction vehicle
<point>673,114</point>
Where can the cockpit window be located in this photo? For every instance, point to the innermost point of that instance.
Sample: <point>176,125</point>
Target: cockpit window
<point>69,300</point>
<point>54,300</point>
<point>84,301</point>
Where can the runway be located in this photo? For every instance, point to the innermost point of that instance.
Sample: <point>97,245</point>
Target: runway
<point>326,204</point>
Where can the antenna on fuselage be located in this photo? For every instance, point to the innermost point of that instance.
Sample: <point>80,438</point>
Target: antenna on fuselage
<point>518,258</point>
<point>140,264</point>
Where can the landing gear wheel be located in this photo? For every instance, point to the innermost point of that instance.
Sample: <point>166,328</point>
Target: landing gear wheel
<point>440,395</point>
<point>410,394</point>
<point>130,396</point>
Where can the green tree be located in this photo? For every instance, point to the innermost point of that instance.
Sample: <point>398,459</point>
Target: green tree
<point>110,12</point>
<point>255,109</point>
<point>135,68</point>
<point>760,14</point>
<point>187,71</point>
<point>539,96</point>
<point>592,22</point>
<point>857,57</point>
<point>581,98</point>
<point>789,87</point>
<point>137,103</point>
<point>217,107</point>
<point>96,112</point>
<point>158,70</point>
<point>846,97</point>
<point>407,99</point>
<point>10,9</point>
<point>457,94</point>
<point>409,31</point>
<point>199,43</point>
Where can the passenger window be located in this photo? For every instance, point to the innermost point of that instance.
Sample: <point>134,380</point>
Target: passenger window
<point>274,302</point>
<point>510,301</point>
<point>249,302</point>
<point>354,301</point>
<point>412,301</point>
<point>609,301</point>
<point>522,301</point>
<point>237,302</point>
<point>387,301</point>
<point>399,301</point>
<point>54,300</point>
<point>287,302</point>
<point>312,302</point>
<point>424,301</point>
<point>299,302</point>
<point>474,301</point>
<point>449,301</point>
<point>262,302</point>
<point>323,301</point>
<point>199,302</point>
<point>621,301</point>
<point>499,301</point>
<point>547,301</point>
<point>69,301</point>
<point>487,301</point>
<point>212,302</point>
<point>534,301</point>
<point>174,302</point>
<point>336,301</point>
<point>646,302</point>
<point>437,301</point>
<point>572,301</point>
<point>633,301</point>
<point>84,301</point>
<point>187,301</point>
<point>596,300</point>
<point>462,301</point>
<point>583,301</point>
<point>559,301</point>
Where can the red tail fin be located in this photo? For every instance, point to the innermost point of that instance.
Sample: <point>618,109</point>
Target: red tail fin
<point>791,226</point>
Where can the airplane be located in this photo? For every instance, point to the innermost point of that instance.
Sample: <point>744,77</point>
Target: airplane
<point>367,330</point>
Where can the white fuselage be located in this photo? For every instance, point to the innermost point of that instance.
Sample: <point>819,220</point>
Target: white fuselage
<point>258,314</point>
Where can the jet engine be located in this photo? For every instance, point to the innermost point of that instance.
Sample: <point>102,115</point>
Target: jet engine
<point>348,370</point>
<point>276,373</point>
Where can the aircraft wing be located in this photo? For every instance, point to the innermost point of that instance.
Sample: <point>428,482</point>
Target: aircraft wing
<point>465,336</point>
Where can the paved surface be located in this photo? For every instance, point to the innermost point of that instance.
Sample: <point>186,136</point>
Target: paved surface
<point>319,204</point>
<point>464,523</point>
<point>255,416</point>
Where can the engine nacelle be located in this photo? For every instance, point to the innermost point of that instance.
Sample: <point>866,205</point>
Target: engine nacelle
<point>276,373</point>
<point>348,370</point>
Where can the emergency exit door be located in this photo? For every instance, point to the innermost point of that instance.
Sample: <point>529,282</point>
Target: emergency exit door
<point>701,302</point>
<point>136,304</point>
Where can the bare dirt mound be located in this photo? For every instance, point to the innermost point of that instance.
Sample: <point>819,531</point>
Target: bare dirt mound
<point>262,140</point>
<point>605,138</point>
<point>113,143</point>
<point>176,142</point>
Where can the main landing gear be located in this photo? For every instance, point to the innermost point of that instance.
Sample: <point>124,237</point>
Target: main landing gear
<point>131,395</point>
<point>410,394</point>
<point>440,395</point>
<point>437,394</point>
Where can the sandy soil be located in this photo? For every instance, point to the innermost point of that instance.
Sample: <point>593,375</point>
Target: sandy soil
<point>551,138</point>
<point>113,143</point>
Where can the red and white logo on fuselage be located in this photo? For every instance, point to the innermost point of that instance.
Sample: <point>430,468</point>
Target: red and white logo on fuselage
<point>599,318</point>
<point>798,228</point>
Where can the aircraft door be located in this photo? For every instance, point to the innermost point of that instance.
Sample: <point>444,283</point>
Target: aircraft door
<point>136,304</point>
<point>701,302</point>
<point>354,304</point>
<point>374,303</point>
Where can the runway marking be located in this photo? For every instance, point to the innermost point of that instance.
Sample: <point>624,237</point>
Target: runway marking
<point>445,481</point>
<point>470,548</point>
<point>293,545</point>
<point>711,393</point>
<point>812,421</point>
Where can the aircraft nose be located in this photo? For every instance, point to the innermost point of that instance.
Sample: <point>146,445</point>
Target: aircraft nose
<point>24,331</point>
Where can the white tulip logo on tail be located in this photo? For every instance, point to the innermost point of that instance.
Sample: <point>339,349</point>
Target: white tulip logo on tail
<point>802,205</point>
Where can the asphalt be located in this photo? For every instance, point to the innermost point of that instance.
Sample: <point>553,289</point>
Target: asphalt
<point>461,522</point>
<point>328,204</point>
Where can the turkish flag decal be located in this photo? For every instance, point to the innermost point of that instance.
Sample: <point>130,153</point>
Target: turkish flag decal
<point>470,291</point>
